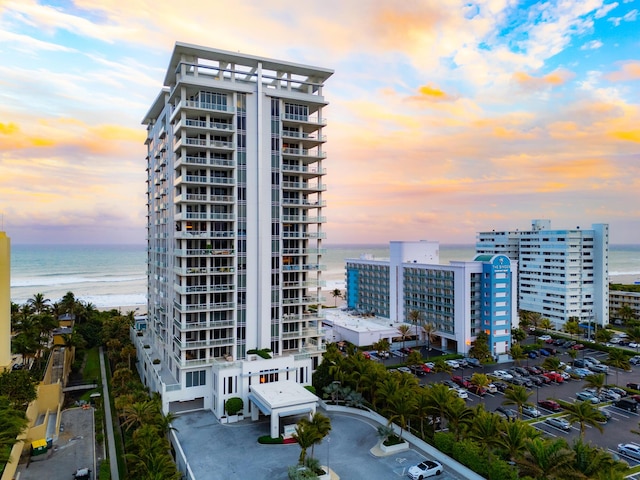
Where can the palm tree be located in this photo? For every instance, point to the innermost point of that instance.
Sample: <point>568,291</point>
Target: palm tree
<point>551,363</point>
<point>441,366</point>
<point>547,459</point>
<point>594,462</point>
<point>514,438</point>
<point>603,335</point>
<point>486,428</point>
<point>139,413</point>
<point>618,360</point>
<point>429,331</point>
<point>573,354</point>
<point>404,331</point>
<point>585,414</point>
<point>516,395</point>
<point>336,293</point>
<point>382,346</point>
<point>322,425</point>
<point>12,423</point>
<point>626,313</point>
<point>39,303</point>
<point>518,334</point>
<point>401,406</point>
<point>546,324</point>
<point>480,379</point>
<point>415,317</point>
<point>596,381</point>
<point>440,398</point>
<point>517,353</point>
<point>459,416</point>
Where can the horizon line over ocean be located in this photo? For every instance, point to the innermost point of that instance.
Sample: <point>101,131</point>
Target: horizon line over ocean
<point>115,275</point>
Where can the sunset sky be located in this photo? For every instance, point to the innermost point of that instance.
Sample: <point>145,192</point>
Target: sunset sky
<point>445,118</point>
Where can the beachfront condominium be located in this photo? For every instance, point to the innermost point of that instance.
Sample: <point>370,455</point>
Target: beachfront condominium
<point>235,168</point>
<point>459,300</point>
<point>563,273</point>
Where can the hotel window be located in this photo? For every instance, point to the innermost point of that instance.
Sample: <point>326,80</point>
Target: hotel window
<point>197,378</point>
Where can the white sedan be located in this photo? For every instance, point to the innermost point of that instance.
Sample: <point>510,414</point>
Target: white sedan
<point>460,392</point>
<point>452,363</point>
<point>428,468</point>
<point>503,374</point>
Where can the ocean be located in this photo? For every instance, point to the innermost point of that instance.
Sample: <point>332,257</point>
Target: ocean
<point>111,276</point>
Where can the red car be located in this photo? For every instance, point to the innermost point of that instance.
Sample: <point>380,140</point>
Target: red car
<point>550,405</point>
<point>554,376</point>
<point>478,390</point>
<point>461,381</point>
<point>577,346</point>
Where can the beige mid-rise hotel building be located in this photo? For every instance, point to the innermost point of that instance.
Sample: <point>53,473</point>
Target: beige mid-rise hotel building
<point>235,168</point>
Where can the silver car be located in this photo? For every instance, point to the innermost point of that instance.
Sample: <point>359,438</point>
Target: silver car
<point>560,423</point>
<point>630,449</point>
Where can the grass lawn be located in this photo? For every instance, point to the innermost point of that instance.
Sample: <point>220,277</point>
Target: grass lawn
<point>92,366</point>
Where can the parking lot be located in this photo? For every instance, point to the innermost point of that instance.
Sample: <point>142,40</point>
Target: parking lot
<point>616,431</point>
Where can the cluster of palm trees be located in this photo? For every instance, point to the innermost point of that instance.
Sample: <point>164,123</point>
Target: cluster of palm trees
<point>33,322</point>
<point>144,426</point>
<point>435,413</point>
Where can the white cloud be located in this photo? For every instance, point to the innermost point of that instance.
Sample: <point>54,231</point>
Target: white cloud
<point>592,45</point>
<point>602,11</point>
<point>29,44</point>
<point>630,16</point>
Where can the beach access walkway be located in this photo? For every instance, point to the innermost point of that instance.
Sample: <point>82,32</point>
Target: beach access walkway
<point>113,459</point>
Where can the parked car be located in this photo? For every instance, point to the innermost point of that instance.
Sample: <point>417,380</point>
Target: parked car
<point>550,350</point>
<point>531,411</point>
<point>558,342</point>
<point>633,386</point>
<point>509,414</point>
<point>609,395</point>
<point>560,423</point>
<point>431,365</point>
<point>478,390</point>
<point>619,391</point>
<point>627,404</point>
<point>491,388</point>
<point>533,370</point>
<point>452,363</point>
<point>593,360</point>
<point>543,352</point>
<point>522,371</point>
<point>450,383</point>
<point>586,396</point>
<point>474,362</point>
<point>550,405</point>
<point>502,374</point>
<point>460,392</point>
<point>635,360</point>
<point>533,354</point>
<point>427,468</point>
<point>461,382</point>
<point>581,372</point>
<point>406,350</point>
<point>543,379</point>
<point>577,346</point>
<point>599,368</point>
<point>569,343</point>
<point>606,416</point>
<point>630,450</point>
<point>82,474</point>
<point>535,380</point>
<point>500,386</point>
<point>554,377</point>
<point>405,370</point>
<point>417,369</point>
<point>545,338</point>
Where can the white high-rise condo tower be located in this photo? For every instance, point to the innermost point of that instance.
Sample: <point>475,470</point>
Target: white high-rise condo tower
<point>235,169</point>
<point>563,273</point>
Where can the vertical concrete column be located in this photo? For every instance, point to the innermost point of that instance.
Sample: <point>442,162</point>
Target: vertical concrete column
<point>275,424</point>
<point>5,301</point>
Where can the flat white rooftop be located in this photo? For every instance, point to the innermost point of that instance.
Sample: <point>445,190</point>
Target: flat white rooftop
<point>282,394</point>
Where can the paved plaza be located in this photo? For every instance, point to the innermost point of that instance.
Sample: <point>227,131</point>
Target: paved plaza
<point>228,452</point>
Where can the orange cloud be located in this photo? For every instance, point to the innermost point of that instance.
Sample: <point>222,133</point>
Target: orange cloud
<point>428,93</point>
<point>631,136</point>
<point>553,79</point>
<point>628,71</point>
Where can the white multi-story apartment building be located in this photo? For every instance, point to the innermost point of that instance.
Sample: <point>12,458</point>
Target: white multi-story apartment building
<point>562,273</point>
<point>459,300</point>
<point>235,203</point>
